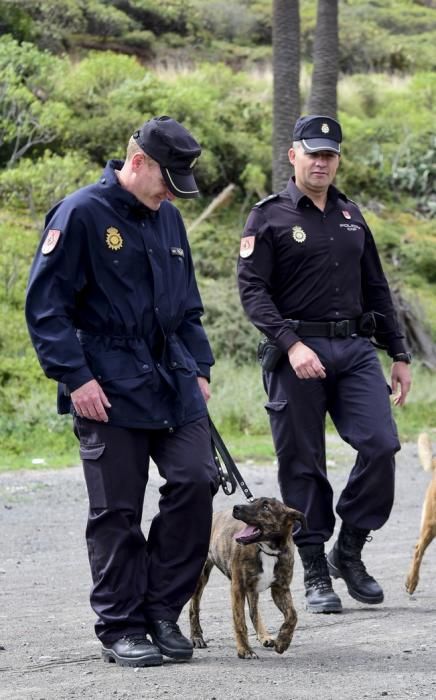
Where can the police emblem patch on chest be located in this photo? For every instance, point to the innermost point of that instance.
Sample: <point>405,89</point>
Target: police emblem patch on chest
<point>113,238</point>
<point>346,214</point>
<point>298,234</point>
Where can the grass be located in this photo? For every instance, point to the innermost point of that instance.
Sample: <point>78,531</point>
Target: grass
<point>236,407</point>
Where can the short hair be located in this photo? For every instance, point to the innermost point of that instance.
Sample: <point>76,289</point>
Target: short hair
<point>133,147</point>
<point>297,145</point>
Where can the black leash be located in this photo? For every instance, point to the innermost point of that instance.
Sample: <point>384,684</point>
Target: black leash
<point>230,474</point>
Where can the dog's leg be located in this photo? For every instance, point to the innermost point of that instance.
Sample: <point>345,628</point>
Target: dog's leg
<point>194,607</point>
<point>238,601</point>
<point>262,633</point>
<point>283,599</point>
<point>425,538</point>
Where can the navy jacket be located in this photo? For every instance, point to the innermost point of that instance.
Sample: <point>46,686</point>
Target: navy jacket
<point>312,265</point>
<point>116,300</point>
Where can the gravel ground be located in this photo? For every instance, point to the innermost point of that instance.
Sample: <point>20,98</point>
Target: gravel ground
<point>49,652</point>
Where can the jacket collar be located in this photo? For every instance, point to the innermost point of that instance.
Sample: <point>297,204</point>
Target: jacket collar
<point>119,197</point>
<point>299,199</point>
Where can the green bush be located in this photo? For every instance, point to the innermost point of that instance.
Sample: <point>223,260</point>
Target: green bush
<point>35,186</point>
<point>230,333</point>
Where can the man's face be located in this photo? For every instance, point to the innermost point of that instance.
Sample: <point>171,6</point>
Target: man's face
<point>314,172</point>
<point>150,187</point>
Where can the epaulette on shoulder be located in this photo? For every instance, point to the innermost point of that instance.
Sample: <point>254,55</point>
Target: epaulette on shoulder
<point>353,202</point>
<point>267,199</point>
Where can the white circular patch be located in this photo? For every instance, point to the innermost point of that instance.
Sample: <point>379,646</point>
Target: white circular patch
<point>325,128</point>
<point>298,234</point>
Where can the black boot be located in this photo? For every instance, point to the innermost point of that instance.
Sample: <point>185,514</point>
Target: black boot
<point>132,650</point>
<point>344,561</point>
<point>167,636</point>
<point>320,596</point>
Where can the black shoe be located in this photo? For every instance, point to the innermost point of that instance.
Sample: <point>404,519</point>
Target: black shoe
<point>132,650</point>
<point>320,596</point>
<point>344,561</point>
<point>167,636</point>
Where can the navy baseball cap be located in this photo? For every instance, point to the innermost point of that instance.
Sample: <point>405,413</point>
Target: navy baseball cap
<point>318,133</point>
<point>176,151</point>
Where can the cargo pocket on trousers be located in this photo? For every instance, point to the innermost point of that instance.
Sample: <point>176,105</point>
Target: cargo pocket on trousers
<point>93,471</point>
<point>276,406</point>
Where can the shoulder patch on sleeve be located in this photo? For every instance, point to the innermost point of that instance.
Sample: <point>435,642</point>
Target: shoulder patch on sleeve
<point>267,199</point>
<point>247,246</point>
<point>51,241</point>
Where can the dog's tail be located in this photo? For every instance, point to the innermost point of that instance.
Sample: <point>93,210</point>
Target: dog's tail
<point>425,452</point>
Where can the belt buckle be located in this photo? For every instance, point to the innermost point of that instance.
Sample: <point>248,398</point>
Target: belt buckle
<point>342,329</point>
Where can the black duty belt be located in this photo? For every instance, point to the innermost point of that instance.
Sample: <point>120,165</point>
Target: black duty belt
<point>325,329</point>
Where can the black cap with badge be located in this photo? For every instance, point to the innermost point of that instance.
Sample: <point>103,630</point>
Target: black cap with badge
<point>318,133</point>
<point>176,151</point>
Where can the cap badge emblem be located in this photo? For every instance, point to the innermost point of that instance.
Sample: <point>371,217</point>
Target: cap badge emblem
<point>113,238</point>
<point>193,163</point>
<point>325,128</point>
<point>346,214</point>
<point>298,234</point>
<point>51,241</point>
<point>247,246</point>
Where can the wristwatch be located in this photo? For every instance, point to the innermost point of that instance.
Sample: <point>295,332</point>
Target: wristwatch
<point>403,357</point>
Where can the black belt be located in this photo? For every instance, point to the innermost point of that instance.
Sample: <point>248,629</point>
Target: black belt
<point>325,329</point>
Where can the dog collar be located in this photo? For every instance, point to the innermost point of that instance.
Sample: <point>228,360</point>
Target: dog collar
<point>271,553</point>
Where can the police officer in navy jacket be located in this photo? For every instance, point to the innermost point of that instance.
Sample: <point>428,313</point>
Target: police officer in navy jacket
<point>311,280</point>
<point>114,313</point>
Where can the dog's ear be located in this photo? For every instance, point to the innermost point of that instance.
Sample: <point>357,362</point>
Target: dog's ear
<point>297,516</point>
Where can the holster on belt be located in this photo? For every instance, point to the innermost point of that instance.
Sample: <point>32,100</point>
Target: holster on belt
<point>367,324</point>
<point>268,354</point>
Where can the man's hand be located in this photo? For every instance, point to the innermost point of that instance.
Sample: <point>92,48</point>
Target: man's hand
<point>305,362</point>
<point>204,388</point>
<point>400,375</point>
<point>90,401</point>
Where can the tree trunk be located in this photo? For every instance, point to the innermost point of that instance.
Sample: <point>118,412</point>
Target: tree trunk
<point>286,70</point>
<point>323,98</point>
<point>418,340</point>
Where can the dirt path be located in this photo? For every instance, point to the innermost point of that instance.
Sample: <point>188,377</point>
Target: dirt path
<point>46,625</point>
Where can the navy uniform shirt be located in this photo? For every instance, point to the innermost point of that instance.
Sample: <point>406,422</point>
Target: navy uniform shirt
<point>115,299</point>
<point>312,265</point>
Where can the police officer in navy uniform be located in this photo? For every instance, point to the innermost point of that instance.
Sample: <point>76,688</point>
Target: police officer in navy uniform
<point>114,313</point>
<point>311,280</point>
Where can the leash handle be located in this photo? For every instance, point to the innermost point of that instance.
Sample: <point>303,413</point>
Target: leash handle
<point>232,474</point>
<point>227,480</point>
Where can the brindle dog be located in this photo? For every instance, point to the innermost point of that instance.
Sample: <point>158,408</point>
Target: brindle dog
<point>259,556</point>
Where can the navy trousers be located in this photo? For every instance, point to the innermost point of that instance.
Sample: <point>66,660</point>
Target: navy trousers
<point>356,396</point>
<point>134,579</point>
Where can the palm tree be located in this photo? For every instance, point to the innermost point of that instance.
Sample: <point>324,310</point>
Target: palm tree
<point>323,98</point>
<point>286,70</point>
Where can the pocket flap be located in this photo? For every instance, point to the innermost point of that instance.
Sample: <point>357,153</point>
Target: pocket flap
<point>120,364</point>
<point>276,406</point>
<point>178,355</point>
<point>91,451</point>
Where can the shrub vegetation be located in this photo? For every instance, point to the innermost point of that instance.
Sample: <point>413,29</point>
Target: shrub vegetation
<point>73,92</point>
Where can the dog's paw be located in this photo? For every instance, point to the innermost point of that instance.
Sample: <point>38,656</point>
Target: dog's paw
<point>411,584</point>
<point>199,642</point>
<point>247,654</point>
<point>280,646</point>
<point>267,641</point>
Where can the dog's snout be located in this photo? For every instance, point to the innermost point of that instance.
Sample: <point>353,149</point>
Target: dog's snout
<point>236,511</point>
